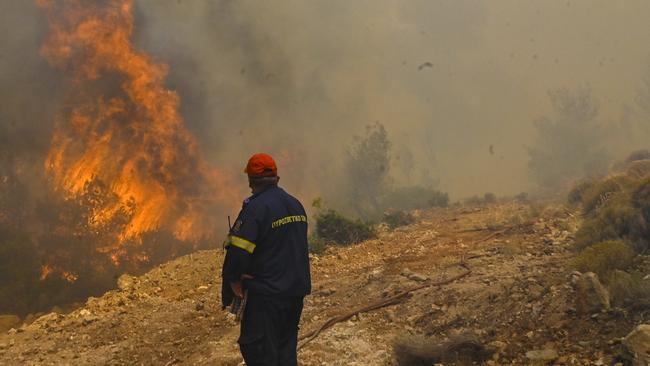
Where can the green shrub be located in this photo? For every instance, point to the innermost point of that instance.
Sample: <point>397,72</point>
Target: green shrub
<point>617,220</point>
<point>332,226</point>
<point>641,197</point>
<point>628,289</point>
<point>398,218</point>
<point>316,244</point>
<point>598,194</point>
<point>605,257</point>
<point>637,170</point>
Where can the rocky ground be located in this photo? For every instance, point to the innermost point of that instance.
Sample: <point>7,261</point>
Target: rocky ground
<point>521,304</point>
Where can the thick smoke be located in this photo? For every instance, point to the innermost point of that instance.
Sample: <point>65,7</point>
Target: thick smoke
<point>457,84</point>
<point>448,79</point>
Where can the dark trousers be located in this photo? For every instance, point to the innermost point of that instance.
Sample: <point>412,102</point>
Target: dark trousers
<point>269,330</point>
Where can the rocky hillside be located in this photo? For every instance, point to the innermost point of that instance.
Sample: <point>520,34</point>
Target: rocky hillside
<point>520,303</point>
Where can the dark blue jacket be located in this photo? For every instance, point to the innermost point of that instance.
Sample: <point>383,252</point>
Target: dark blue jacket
<point>268,241</point>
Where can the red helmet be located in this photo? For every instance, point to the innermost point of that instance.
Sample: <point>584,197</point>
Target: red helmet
<point>261,165</point>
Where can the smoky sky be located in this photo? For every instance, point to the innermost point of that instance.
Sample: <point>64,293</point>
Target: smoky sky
<point>458,84</point>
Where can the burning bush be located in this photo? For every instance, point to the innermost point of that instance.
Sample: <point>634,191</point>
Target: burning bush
<point>125,185</point>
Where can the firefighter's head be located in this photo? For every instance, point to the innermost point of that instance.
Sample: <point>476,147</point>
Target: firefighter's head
<point>262,172</point>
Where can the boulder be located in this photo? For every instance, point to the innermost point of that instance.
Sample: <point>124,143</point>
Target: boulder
<point>636,345</point>
<point>591,296</point>
<point>8,321</point>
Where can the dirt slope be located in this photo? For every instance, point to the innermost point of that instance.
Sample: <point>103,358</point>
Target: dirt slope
<point>517,299</point>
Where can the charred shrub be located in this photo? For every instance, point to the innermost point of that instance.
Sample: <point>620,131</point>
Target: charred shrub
<point>398,218</point>
<point>334,227</point>
<point>414,197</point>
<point>605,257</point>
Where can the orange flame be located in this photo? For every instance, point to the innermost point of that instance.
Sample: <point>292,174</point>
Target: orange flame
<point>69,276</point>
<point>123,127</point>
<point>46,271</point>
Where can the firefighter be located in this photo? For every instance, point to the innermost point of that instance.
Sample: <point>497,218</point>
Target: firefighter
<point>267,263</point>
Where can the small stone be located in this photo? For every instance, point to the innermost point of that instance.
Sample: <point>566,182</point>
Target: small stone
<point>418,277</point>
<point>542,355</point>
<point>199,306</point>
<point>499,345</point>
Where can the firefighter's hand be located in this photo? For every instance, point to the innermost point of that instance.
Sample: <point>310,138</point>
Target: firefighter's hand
<point>237,289</point>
